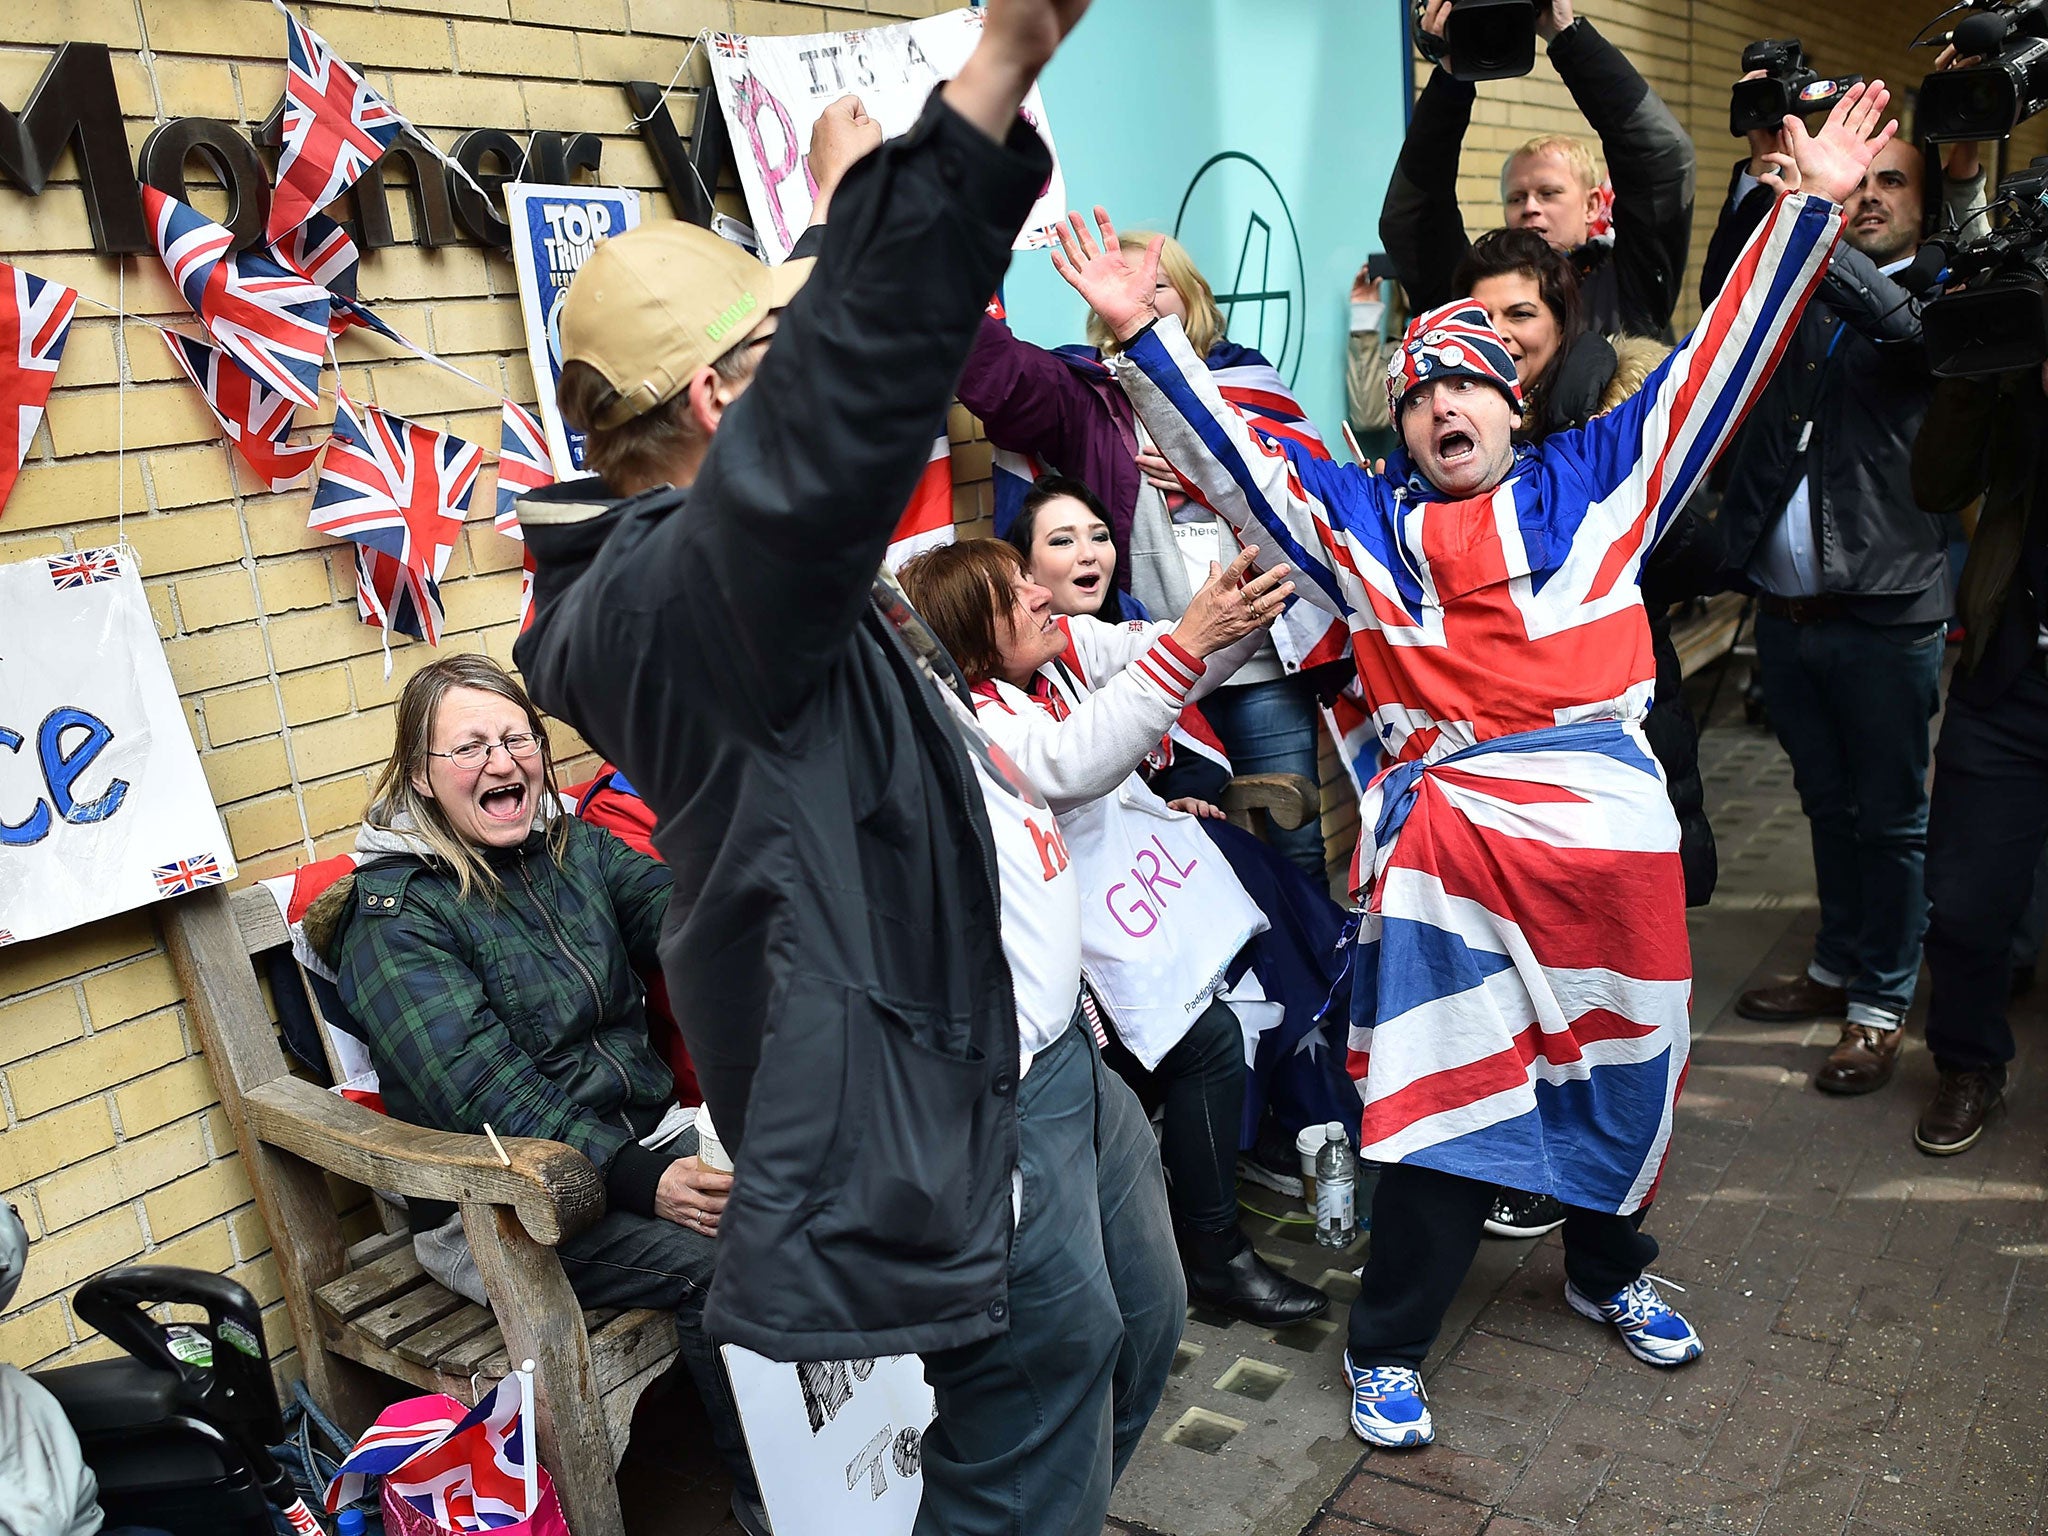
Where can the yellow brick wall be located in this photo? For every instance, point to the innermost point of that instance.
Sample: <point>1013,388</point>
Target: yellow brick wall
<point>114,1147</point>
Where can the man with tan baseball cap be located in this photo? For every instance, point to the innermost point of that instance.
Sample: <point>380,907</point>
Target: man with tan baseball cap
<point>894,1063</point>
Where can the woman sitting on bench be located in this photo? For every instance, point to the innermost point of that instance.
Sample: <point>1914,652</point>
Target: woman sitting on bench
<point>486,948</point>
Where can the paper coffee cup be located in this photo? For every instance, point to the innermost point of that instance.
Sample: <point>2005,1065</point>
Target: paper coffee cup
<point>711,1151</point>
<point>1307,1143</point>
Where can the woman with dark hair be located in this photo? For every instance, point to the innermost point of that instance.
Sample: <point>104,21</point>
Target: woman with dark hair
<point>1571,373</point>
<point>1070,550</point>
<point>486,948</point>
<point>1079,704</point>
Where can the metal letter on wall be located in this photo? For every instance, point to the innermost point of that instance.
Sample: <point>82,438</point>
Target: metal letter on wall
<point>234,161</point>
<point>480,217</point>
<point>77,99</point>
<point>690,173</point>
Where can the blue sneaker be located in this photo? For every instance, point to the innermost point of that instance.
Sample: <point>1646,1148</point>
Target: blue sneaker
<point>1651,1329</point>
<point>1387,1405</point>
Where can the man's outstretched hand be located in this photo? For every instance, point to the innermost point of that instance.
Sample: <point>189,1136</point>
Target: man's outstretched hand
<point>1018,39</point>
<point>843,134</point>
<point>1832,162</point>
<point>1118,284</point>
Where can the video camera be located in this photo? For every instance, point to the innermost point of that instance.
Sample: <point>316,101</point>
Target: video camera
<point>1483,39</point>
<point>1989,100</point>
<point>1992,314</point>
<point>1790,85</point>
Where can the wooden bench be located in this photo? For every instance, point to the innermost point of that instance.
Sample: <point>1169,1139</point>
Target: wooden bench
<point>364,1316</point>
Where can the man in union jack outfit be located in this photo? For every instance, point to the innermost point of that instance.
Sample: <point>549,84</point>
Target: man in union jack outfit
<point>1521,980</point>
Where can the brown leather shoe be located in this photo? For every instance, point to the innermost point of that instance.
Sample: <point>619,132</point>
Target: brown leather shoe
<point>1861,1062</point>
<point>1955,1119</point>
<point>1793,1002</point>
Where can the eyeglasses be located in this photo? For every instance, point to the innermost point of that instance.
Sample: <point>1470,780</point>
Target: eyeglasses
<point>474,754</point>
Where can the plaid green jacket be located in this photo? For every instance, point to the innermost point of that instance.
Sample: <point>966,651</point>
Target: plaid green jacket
<point>521,1009</point>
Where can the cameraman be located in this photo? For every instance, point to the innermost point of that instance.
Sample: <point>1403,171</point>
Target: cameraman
<point>1552,183</point>
<point>1852,586</point>
<point>1989,819</point>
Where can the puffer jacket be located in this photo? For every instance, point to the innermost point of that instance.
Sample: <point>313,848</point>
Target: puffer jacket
<point>518,1007</point>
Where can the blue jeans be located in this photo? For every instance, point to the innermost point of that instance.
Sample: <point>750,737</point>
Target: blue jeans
<point>1036,1424</point>
<point>1270,727</point>
<point>1850,703</point>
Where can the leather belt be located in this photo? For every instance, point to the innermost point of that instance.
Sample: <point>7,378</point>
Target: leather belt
<point>1801,610</point>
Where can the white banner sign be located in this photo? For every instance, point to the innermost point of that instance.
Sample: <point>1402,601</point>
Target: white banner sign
<point>554,230</point>
<point>102,804</point>
<point>773,90</point>
<point>838,1446</point>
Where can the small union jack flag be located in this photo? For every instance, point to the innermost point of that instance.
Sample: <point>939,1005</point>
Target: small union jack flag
<point>83,568</point>
<point>729,45</point>
<point>267,317</point>
<point>467,1471</point>
<point>335,128</point>
<point>320,251</point>
<point>35,321</point>
<point>184,875</point>
<point>397,490</point>
<point>256,420</point>
<point>6,936</point>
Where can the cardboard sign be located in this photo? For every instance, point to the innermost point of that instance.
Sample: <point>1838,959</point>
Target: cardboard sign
<point>773,90</point>
<point>838,1445</point>
<point>102,804</point>
<point>554,230</point>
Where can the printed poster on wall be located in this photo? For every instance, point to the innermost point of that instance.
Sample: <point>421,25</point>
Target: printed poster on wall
<point>838,1445</point>
<point>102,803</point>
<point>554,230</point>
<point>773,90</point>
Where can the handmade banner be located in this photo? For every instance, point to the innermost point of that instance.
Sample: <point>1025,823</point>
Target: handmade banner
<point>554,230</point>
<point>838,1445</point>
<point>773,90</point>
<point>102,803</point>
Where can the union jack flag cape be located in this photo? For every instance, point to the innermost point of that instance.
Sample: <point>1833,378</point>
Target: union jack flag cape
<point>267,317</point>
<point>256,420</point>
<point>35,322</point>
<point>320,251</point>
<point>1520,985</point>
<point>465,1470</point>
<point>523,465</point>
<point>397,490</point>
<point>335,128</point>
<point>928,521</point>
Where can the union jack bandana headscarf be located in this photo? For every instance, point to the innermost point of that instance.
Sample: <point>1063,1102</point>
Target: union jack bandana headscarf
<point>1454,340</point>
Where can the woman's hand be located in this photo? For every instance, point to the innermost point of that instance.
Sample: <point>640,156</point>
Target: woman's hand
<point>1117,285</point>
<point>693,1196</point>
<point>1153,466</point>
<point>1231,605</point>
<point>1193,807</point>
<point>1832,162</point>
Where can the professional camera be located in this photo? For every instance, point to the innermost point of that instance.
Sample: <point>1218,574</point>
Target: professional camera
<point>1989,100</point>
<point>1790,85</point>
<point>1483,39</point>
<point>1992,314</point>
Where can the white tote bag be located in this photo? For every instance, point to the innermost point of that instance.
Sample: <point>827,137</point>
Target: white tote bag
<point>1162,915</point>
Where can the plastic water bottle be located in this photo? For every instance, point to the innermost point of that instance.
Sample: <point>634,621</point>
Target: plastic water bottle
<point>1336,1189</point>
<point>350,1523</point>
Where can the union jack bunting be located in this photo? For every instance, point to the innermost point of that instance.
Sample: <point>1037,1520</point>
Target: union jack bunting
<point>397,491</point>
<point>84,568</point>
<point>320,251</point>
<point>175,879</point>
<point>466,1471</point>
<point>1519,985</point>
<point>267,317</point>
<point>256,420</point>
<point>335,128</point>
<point>928,521</point>
<point>35,321</point>
<point>523,465</point>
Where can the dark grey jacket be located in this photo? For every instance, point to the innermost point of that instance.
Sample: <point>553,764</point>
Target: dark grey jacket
<point>832,948</point>
<point>1856,373</point>
<point>1630,287</point>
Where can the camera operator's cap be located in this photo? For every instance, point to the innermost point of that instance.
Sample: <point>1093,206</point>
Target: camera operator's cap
<point>653,305</point>
<point>1452,341</point>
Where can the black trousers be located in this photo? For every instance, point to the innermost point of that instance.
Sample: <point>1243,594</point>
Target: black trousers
<point>1425,1230</point>
<point>1985,831</point>
<point>1199,1087</point>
